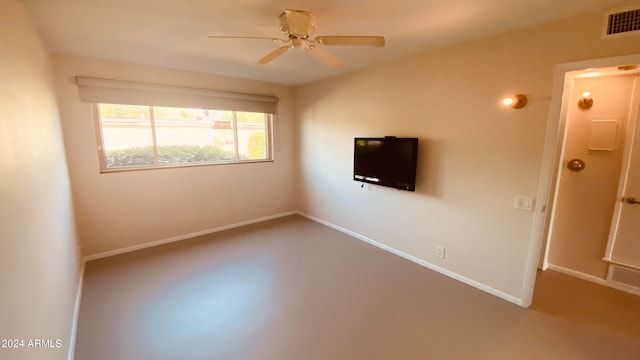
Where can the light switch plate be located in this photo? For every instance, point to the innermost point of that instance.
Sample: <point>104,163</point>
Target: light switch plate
<point>524,203</point>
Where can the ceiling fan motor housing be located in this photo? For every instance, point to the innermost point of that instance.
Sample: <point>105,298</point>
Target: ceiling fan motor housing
<point>297,23</point>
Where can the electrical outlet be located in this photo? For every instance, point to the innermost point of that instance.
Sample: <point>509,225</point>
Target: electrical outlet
<point>440,251</point>
<point>524,203</point>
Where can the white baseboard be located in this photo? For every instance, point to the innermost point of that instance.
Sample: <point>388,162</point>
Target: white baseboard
<point>76,313</point>
<point>594,279</point>
<point>428,265</point>
<point>183,237</point>
<point>577,274</point>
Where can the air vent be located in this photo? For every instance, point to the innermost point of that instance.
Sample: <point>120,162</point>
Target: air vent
<point>624,21</point>
<point>625,276</point>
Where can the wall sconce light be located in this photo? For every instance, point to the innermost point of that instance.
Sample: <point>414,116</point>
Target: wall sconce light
<point>585,101</point>
<point>515,102</point>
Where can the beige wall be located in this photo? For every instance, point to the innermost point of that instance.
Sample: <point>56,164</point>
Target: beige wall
<point>474,156</point>
<point>118,210</point>
<point>585,201</point>
<point>39,258</point>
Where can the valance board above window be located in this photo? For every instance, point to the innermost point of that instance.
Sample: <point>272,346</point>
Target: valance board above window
<point>107,91</point>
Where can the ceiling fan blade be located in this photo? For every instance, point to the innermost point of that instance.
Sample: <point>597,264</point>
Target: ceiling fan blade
<point>375,41</point>
<point>326,57</point>
<point>247,37</point>
<point>272,55</point>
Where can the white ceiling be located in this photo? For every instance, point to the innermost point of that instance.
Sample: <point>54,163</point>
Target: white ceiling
<point>173,33</point>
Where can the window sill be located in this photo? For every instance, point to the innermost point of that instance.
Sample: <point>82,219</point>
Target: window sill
<point>173,166</point>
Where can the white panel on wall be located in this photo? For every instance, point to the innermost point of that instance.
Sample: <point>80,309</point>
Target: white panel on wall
<point>603,135</point>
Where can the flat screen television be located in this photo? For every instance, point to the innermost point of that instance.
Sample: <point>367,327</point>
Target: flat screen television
<point>387,161</point>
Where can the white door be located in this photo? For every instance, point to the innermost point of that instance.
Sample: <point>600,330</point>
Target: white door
<point>624,238</point>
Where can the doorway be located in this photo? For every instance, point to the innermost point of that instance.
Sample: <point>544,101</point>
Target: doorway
<point>599,145</point>
<point>598,112</point>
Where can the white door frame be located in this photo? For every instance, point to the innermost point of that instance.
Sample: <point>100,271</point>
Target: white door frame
<point>550,159</point>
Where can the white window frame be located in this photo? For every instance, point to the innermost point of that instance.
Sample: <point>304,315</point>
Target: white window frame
<point>96,91</point>
<point>156,165</point>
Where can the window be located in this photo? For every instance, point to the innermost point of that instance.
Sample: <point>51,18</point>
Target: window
<point>134,136</point>
<point>162,132</point>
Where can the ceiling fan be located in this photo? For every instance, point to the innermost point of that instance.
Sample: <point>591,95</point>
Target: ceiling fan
<point>297,26</point>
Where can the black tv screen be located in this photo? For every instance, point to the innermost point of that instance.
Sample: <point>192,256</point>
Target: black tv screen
<point>387,161</point>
